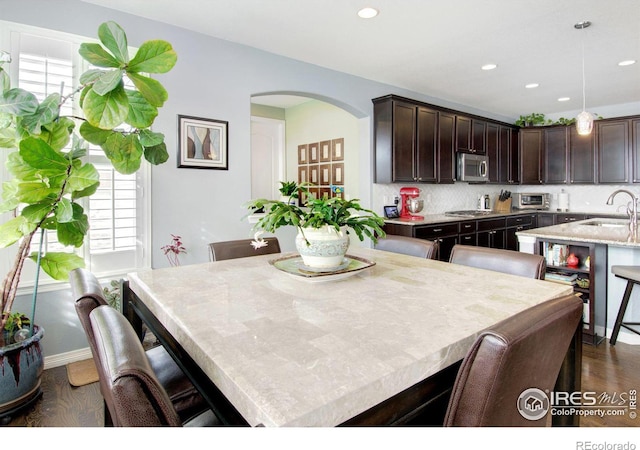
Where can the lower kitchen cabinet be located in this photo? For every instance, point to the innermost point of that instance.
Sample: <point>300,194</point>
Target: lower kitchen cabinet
<point>515,224</point>
<point>446,235</point>
<point>491,233</point>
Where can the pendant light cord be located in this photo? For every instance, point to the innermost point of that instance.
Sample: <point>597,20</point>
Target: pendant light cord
<point>584,90</point>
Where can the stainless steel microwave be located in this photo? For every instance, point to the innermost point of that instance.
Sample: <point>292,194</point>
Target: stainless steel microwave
<point>530,200</point>
<point>472,167</point>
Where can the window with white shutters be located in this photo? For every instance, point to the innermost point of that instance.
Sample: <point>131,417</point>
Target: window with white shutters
<point>45,62</point>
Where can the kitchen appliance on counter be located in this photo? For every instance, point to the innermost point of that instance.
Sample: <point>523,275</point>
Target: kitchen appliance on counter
<point>472,167</point>
<point>531,200</point>
<point>484,203</point>
<point>410,203</point>
<point>563,201</point>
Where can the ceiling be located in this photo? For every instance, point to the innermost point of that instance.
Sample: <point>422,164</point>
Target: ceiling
<point>436,48</point>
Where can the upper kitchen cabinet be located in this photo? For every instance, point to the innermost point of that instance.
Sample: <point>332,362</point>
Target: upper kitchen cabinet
<point>406,142</point>
<point>493,151</point>
<point>582,157</point>
<point>470,135</point>
<point>613,150</point>
<point>413,142</point>
<point>417,142</point>
<point>555,155</point>
<point>635,149</point>
<point>531,156</point>
<point>502,153</point>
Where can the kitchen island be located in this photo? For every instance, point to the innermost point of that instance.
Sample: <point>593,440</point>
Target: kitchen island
<point>609,242</point>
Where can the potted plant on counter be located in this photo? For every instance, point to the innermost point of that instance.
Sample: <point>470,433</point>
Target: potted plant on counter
<point>50,178</point>
<point>288,191</point>
<point>323,225</point>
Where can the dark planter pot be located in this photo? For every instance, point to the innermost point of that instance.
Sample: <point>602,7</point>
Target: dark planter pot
<point>21,366</point>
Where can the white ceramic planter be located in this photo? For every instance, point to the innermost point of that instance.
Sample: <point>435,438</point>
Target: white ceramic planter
<point>326,248</point>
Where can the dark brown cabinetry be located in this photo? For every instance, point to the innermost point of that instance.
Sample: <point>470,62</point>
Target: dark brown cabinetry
<point>635,149</point>
<point>470,135</point>
<point>555,155</point>
<point>506,161</point>
<point>582,157</point>
<point>467,233</point>
<point>518,223</point>
<point>546,219</point>
<point>446,235</point>
<point>413,143</point>
<point>491,233</point>
<point>492,147</point>
<point>417,143</point>
<point>531,142</point>
<point>613,150</point>
<point>558,154</point>
<point>569,217</point>
<point>446,147</point>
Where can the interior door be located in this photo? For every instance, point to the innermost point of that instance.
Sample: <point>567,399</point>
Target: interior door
<point>267,157</point>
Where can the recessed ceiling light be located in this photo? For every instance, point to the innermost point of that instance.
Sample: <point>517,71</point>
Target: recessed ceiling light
<point>564,99</point>
<point>628,62</point>
<point>531,85</point>
<point>489,66</point>
<point>368,13</point>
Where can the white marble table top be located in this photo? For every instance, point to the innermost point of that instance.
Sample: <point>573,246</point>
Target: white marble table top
<point>287,352</point>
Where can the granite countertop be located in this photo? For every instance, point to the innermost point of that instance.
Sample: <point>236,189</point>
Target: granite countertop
<point>431,219</point>
<point>614,232</point>
<point>289,353</point>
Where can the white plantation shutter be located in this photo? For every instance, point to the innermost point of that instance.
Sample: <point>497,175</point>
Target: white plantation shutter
<point>47,63</point>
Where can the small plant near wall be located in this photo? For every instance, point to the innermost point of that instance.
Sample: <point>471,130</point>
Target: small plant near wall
<point>565,121</point>
<point>112,294</point>
<point>533,120</point>
<point>173,249</point>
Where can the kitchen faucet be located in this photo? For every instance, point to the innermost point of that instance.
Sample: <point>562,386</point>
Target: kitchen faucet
<point>633,211</point>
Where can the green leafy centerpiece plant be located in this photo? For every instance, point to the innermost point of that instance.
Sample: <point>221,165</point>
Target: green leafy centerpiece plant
<point>323,225</point>
<point>50,178</point>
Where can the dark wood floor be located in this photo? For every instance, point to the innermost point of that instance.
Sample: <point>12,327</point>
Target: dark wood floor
<point>605,369</point>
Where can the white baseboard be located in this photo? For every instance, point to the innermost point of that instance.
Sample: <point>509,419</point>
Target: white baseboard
<point>625,336</point>
<point>63,359</point>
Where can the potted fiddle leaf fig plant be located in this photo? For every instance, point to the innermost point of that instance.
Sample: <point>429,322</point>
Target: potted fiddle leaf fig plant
<point>323,225</point>
<point>50,177</point>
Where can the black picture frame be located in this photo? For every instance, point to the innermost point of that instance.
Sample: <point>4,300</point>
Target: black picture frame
<point>203,143</point>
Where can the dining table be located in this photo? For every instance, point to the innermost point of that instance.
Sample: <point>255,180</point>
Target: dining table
<point>269,342</point>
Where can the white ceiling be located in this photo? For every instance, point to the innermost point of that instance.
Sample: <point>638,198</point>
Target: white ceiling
<point>437,47</point>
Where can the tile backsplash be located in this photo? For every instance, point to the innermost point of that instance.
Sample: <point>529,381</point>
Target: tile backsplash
<point>439,198</point>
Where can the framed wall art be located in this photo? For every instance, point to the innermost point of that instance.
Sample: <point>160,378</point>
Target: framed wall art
<point>202,143</point>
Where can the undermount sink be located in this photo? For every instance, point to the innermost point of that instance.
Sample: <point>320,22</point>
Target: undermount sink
<point>607,223</point>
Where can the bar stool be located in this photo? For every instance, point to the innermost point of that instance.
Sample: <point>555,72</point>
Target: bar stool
<point>632,275</point>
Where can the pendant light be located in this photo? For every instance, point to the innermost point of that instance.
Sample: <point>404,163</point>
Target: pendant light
<point>584,120</point>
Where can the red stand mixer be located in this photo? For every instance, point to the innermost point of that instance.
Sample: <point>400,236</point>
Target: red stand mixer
<point>410,203</point>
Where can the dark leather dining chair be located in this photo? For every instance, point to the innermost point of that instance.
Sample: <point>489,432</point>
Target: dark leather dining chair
<point>132,392</point>
<point>241,248</point>
<point>520,353</point>
<point>499,260</point>
<point>88,295</point>
<point>405,245</point>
